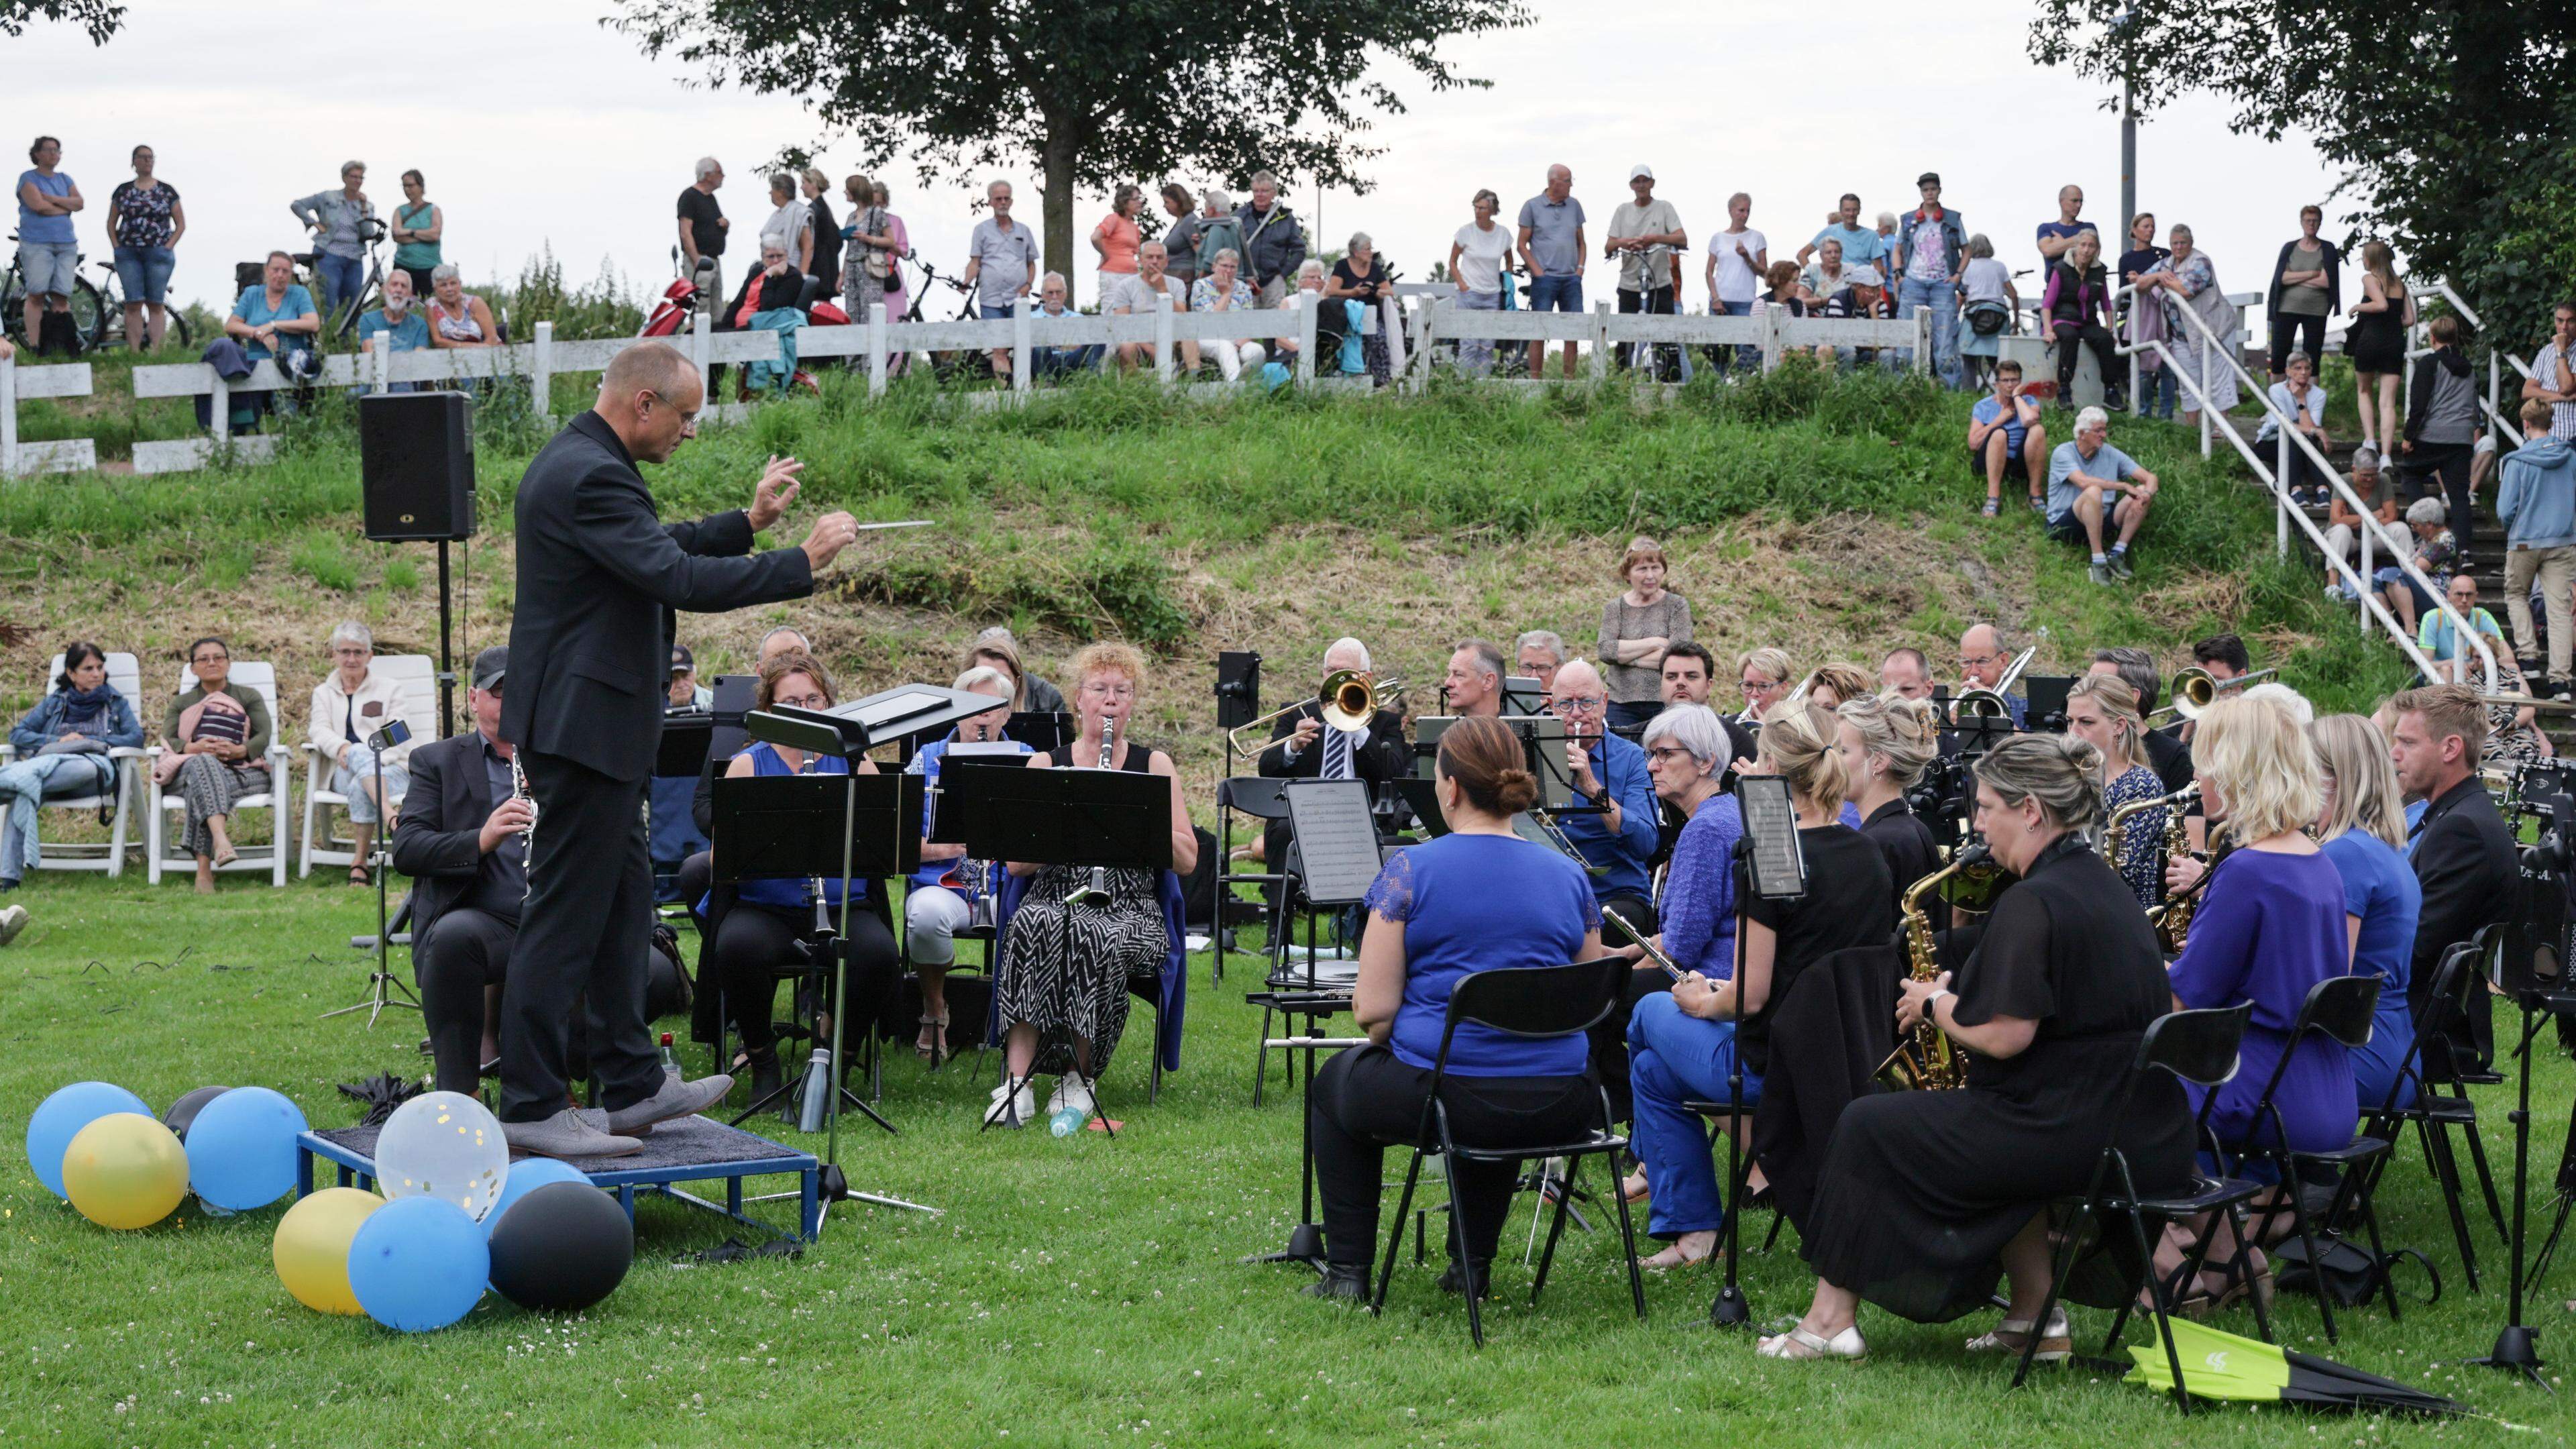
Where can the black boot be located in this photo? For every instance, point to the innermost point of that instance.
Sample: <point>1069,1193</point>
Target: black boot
<point>1453,1279</point>
<point>764,1071</point>
<point>1346,1285</point>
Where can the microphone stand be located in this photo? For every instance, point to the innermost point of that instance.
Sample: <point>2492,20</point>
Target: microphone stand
<point>1730,1309</point>
<point>381,982</point>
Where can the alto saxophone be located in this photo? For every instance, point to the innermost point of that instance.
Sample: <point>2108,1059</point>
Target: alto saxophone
<point>1928,1060</point>
<point>2172,920</point>
<point>2115,830</point>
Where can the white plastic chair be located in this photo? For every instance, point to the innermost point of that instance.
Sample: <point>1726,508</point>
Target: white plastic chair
<point>127,676</point>
<point>162,841</point>
<point>415,678</point>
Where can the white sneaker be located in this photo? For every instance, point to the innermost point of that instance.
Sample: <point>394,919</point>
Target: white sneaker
<point>1071,1092</point>
<point>12,921</point>
<point>1012,1109</point>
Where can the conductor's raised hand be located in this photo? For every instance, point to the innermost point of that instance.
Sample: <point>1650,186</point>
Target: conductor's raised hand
<point>778,488</point>
<point>832,533</point>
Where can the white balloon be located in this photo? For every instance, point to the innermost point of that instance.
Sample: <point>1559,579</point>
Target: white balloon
<point>444,1145</point>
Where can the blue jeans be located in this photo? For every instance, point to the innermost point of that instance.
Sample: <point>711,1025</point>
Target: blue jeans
<point>1674,1057</point>
<point>24,784</point>
<point>1912,295</point>
<point>341,278</point>
<point>2158,392</point>
<point>49,268</point>
<point>349,778</point>
<point>1476,354</point>
<point>1557,292</point>
<point>143,273</point>
<point>1745,359</point>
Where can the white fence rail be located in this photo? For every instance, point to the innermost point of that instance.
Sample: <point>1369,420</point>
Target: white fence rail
<point>28,384</point>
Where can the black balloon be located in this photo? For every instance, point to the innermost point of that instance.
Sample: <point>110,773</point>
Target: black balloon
<point>561,1248</point>
<point>184,1111</point>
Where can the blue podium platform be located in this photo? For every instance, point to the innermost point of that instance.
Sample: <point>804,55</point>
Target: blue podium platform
<point>694,1149</point>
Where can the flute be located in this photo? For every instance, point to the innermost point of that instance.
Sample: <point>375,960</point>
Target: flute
<point>1653,952</point>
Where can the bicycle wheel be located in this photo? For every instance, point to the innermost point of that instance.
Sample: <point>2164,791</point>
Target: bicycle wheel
<point>89,314</point>
<point>13,312</point>
<point>179,331</point>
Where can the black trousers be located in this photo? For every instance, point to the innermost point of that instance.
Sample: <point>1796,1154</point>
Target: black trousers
<point>1656,301</point>
<point>755,943</point>
<point>1610,1038</point>
<point>2308,332</point>
<point>1368,1099</point>
<point>2442,470</point>
<point>2105,356</point>
<point>583,938</point>
<point>466,951</point>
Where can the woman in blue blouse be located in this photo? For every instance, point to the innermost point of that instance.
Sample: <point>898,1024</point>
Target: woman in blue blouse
<point>759,933</point>
<point>2363,830</point>
<point>60,750</point>
<point>1479,898</point>
<point>2269,928</point>
<point>1673,1055</point>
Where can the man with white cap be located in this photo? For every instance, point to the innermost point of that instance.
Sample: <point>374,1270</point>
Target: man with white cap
<point>1646,281</point>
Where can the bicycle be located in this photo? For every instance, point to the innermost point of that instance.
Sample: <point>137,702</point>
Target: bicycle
<point>111,303</point>
<point>371,233</point>
<point>87,309</point>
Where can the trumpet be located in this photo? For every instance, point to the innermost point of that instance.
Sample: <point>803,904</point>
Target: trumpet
<point>2196,689</point>
<point>1990,703</point>
<point>1349,699</point>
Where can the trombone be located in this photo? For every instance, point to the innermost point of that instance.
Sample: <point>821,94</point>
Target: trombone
<point>1350,698</point>
<point>1990,703</point>
<point>2196,689</point>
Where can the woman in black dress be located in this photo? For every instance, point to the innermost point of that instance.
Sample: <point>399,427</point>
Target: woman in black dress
<point>1062,988</point>
<point>1887,742</point>
<point>1927,1197</point>
<point>1362,277</point>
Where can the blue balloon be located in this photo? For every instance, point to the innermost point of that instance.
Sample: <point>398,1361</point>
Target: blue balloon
<point>526,1176</point>
<point>418,1263</point>
<point>61,1117</point>
<point>241,1149</point>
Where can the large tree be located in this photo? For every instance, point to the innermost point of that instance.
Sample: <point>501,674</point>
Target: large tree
<point>99,17</point>
<point>2449,121</point>
<point>1090,92</point>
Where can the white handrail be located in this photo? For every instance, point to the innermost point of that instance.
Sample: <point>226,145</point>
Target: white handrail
<point>2290,436</point>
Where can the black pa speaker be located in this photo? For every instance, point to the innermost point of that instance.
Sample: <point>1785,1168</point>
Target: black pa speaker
<point>416,465</point>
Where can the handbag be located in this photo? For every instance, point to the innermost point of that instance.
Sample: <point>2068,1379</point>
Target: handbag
<point>1987,317</point>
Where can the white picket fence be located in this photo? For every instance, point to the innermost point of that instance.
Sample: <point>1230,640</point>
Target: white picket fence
<point>69,455</point>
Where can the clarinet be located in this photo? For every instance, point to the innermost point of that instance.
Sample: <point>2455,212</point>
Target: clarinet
<point>1095,892</point>
<point>527,832</point>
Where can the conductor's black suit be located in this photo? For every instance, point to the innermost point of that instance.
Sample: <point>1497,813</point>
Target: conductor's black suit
<point>599,577</point>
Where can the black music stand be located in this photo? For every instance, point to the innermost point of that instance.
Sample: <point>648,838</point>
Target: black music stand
<point>687,736</point>
<point>1040,730</point>
<point>1115,819</point>
<point>1776,861</point>
<point>1337,846</point>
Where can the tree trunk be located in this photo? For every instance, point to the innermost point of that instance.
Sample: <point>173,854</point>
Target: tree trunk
<point>1057,197</point>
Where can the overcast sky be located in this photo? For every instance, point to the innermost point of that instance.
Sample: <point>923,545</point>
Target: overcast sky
<point>535,125</point>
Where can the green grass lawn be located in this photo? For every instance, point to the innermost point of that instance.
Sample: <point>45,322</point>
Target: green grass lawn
<point>1075,1292</point>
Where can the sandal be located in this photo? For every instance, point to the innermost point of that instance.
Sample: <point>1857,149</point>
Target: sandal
<point>1993,507</point>
<point>1633,1188</point>
<point>1676,1257</point>
<point>932,1045</point>
<point>1846,1346</point>
<point>226,856</point>
<point>2056,1343</point>
<point>357,876</point>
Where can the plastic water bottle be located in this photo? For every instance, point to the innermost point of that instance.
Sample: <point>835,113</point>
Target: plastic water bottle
<point>816,1093</point>
<point>670,1059</point>
<point>1067,1121</point>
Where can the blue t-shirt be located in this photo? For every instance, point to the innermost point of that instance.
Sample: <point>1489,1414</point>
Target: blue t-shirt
<point>1482,903</point>
<point>2065,459</point>
<point>2051,230</point>
<point>44,230</point>
<point>411,334</point>
<point>925,763</point>
<point>794,894</point>
<point>1991,407</point>
<point>253,308</point>
<point>1860,243</point>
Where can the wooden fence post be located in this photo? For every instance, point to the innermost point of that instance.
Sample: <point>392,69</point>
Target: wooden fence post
<point>700,341</point>
<point>8,417</point>
<point>541,385</point>
<point>876,349</point>
<point>219,408</point>
<point>1306,305</point>
<point>1163,362</point>
<point>1416,382</point>
<point>1771,336</point>
<point>1020,344</point>
<point>1600,363</point>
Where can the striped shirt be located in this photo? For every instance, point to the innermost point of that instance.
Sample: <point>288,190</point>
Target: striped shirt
<point>2562,415</point>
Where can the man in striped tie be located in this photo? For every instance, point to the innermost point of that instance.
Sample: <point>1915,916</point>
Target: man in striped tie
<point>1315,751</point>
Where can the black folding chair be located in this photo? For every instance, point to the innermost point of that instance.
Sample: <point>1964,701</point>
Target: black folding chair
<point>2435,1113</point>
<point>2198,1047</point>
<point>1720,1121</point>
<point>2342,1008</point>
<point>1536,1003</point>
<point>1258,797</point>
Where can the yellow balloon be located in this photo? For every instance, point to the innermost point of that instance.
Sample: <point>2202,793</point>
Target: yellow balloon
<point>312,1247</point>
<point>125,1171</point>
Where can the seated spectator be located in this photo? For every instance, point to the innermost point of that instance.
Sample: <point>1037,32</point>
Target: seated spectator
<point>397,321</point>
<point>1139,295</point>
<point>276,315</point>
<point>1990,305</point>
<point>2004,430</point>
<point>1055,361</point>
<point>1864,294</point>
<point>2094,487</point>
<point>456,317</point>
<point>350,704</point>
<point>62,747</point>
<point>2435,553</point>
<point>2077,307</point>
<point>757,938</point>
<point>1221,290</point>
<point>1310,286</point>
<point>1824,276</point>
<point>768,302</point>
<point>1538,654</point>
<point>940,901</point>
<point>215,740</point>
<point>996,647</point>
<point>2302,399</point>
<point>2344,527</point>
<point>2454,660</point>
<point>1359,277</point>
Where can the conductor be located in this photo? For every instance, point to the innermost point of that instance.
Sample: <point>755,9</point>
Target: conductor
<point>599,578</point>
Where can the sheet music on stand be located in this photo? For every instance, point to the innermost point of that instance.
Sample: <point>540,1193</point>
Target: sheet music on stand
<point>1778,863</point>
<point>1336,839</point>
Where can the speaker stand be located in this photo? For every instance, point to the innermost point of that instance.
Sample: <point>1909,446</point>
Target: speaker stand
<point>446,654</point>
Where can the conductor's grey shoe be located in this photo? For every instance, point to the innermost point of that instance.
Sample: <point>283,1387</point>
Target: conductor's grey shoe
<point>675,1099</point>
<point>567,1134</point>
<point>12,921</point>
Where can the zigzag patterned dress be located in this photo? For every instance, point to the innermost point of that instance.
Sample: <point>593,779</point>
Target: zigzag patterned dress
<point>1081,992</point>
